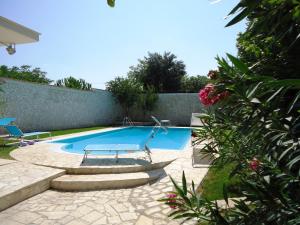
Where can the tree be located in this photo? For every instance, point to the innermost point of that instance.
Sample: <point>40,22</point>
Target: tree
<point>126,91</point>
<point>163,72</point>
<point>192,84</point>
<point>147,100</point>
<point>72,82</point>
<point>271,42</point>
<point>25,73</point>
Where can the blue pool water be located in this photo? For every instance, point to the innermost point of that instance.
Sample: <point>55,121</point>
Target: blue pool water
<point>173,139</point>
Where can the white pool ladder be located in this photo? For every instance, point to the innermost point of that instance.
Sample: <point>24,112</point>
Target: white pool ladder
<point>154,131</point>
<point>127,122</point>
<point>159,125</point>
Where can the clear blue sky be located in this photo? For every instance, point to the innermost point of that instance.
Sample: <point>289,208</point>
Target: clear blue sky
<point>87,39</point>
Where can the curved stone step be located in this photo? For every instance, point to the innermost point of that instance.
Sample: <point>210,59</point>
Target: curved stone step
<point>117,168</point>
<point>104,181</point>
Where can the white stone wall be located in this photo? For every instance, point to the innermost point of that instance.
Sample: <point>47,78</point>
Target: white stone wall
<point>43,107</point>
<point>176,107</point>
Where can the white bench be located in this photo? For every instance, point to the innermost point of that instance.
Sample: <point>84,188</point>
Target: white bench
<point>115,148</point>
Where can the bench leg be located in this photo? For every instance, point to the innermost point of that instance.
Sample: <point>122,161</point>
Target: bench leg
<point>148,153</point>
<point>149,156</point>
<point>84,156</point>
<point>117,156</point>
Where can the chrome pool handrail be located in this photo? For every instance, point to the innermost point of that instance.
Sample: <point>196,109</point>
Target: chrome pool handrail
<point>127,121</point>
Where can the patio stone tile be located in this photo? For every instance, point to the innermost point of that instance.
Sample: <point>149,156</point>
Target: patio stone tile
<point>120,208</point>
<point>143,220</point>
<point>134,206</point>
<point>128,216</point>
<point>114,220</point>
<point>93,216</point>
<point>100,221</point>
<point>152,210</point>
<point>25,217</point>
<point>54,215</point>
<point>76,222</point>
<point>10,222</point>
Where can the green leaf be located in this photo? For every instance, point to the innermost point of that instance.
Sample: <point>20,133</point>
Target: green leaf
<point>181,193</point>
<point>184,187</point>
<point>293,162</point>
<point>244,13</point>
<point>284,83</point>
<point>111,3</point>
<point>186,215</point>
<point>274,95</point>
<point>239,5</point>
<point>282,155</point>
<point>238,64</point>
<point>174,213</point>
<point>249,95</point>
<point>177,188</point>
<point>293,103</point>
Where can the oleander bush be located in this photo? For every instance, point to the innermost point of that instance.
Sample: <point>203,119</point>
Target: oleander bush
<point>253,127</point>
<point>254,123</point>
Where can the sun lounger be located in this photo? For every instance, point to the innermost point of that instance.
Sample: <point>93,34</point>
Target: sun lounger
<point>14,131</point>
<point>6,121</point>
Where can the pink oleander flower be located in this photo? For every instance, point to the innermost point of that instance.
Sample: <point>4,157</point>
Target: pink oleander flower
<point>254,164</point>
<point>207,95</point>
<point>172,199</point>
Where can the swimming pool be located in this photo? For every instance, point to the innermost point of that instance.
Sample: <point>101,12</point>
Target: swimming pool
<point>173,139</point>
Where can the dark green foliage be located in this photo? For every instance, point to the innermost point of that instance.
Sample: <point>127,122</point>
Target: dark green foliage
<point>147,100</point>
<point>126,91</point>
<point>111,3</point>
<point>188,204</point>
<point>249,125</point>
<point>163,72</point>
<point>72,82</point>
<point>25,73</point>
<point>192,84</point>
<point>271,42</point>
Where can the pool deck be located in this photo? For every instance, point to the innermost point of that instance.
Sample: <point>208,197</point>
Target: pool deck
<point>131,206</point>
<point>19,181</point>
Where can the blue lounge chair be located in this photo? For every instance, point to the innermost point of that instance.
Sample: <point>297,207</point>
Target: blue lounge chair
<point>14,131</point>
<point>6,121</point>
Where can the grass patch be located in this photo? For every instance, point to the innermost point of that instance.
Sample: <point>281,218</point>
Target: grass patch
<point>6,149</point>
<point>70,131</point>
<point>212,185</point>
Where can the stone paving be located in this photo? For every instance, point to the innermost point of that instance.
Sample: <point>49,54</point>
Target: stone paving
<point>134,206</point>
<point>16,175</point>
<point>137,206</point>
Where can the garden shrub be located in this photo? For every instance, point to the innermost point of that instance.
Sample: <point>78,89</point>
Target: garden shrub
<point>250,128</point>
<point>255,122</point>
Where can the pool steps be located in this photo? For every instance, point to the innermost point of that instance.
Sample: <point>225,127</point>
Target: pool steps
<point>105,181</point>
<point>117,167</point>
<point>35,179</point>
